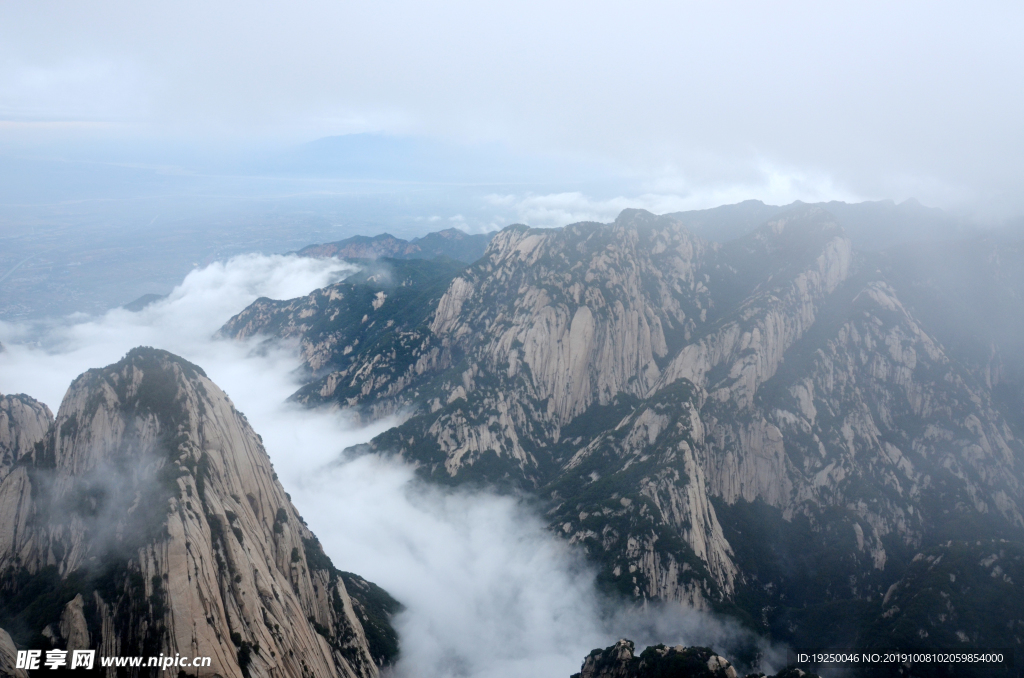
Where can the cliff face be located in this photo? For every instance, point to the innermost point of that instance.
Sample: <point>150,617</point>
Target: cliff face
<point>150,521</point>
<point>759,426</point>
<point>24,423</point>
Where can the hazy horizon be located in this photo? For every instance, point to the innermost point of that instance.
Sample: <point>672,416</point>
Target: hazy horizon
<point>698,104</point>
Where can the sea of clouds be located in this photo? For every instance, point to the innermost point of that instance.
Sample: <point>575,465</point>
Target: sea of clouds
<point>487,589</point>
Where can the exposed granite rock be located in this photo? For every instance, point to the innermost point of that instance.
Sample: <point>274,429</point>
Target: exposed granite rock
<point>763,426</point>
<point>151,521</point>
<point>964,594</point>
<point>358,337</point>
<point>659,661</point>
<point>24,422</point>
<point>636,496</point>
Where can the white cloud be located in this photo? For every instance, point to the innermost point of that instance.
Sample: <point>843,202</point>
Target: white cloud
<point>669,192</point>
<point>489,592</point>
<point>870,92</point>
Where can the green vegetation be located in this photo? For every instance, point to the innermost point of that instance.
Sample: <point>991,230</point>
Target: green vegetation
<point>373,605</point>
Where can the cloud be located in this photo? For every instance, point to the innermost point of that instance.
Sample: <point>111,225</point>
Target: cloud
<point>883,97</point>
<point>489,592</point>
<point>668,192</point>
<point>42,359</point>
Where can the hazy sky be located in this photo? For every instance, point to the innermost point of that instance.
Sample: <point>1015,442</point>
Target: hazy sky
<point>733,99</point>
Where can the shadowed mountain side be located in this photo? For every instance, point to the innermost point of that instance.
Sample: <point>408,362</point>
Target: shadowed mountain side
<point>24,423</point>
<point>870,226</point>
<point>149,520</point>
<point>762,427</point>
<point>659,661</point>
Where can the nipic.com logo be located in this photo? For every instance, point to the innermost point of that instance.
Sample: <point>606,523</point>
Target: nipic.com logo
<point>32,660</point>
<point>55,659</point>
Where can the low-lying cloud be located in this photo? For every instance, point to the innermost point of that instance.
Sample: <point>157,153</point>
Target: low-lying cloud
<point>669,192</point>
<point>488,591</point>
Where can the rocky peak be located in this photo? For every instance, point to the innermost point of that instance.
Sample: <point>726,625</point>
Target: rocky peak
<point>767,423</point>
<point>155,515</point>
<point>619,661</point>
<point>24,423</point>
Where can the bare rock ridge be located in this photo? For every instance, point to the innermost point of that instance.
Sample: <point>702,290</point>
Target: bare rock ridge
<point>765,426</point>
<point>24,423</point>
<point>148,519</point>
<point>659,661</point>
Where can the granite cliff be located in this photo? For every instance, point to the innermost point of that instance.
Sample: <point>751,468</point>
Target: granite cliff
<point>659,661</point>
<point>769,426</point>
<point>146,518</point>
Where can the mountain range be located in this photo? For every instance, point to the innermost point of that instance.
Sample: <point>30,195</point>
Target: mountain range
<point>818,438</point>
<point>146,519</point>
<point>821,440</point>
<point>451,243</point>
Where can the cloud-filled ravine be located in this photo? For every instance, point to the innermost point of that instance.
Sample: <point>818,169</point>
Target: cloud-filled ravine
<point>487,590</point>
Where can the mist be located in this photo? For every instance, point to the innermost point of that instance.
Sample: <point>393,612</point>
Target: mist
<point>487,590</point>
<point>873,99</point>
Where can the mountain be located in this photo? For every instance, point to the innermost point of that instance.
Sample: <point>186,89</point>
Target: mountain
<point>658,661</point>
<point>871,226</point>
<point>142,302</point>
<point>24,423</point>
<point>146,519</point>
<point>778,427</point>
<point>451,243</point>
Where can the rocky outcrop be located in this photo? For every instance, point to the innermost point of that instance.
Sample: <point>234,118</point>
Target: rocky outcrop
<point>636,498</point>
<point>153,521</point>
<point>619,661</point>
<point>362,339</point>
<point>24,423</point>
<point>947,585</point>
<point>764,424</point>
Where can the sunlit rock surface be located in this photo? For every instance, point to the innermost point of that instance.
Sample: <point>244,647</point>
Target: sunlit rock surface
<point>765,426</point>
<point>24,423</point>
<point>150,520</point>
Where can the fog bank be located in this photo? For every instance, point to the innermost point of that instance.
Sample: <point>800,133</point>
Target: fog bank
<point>488,591</point>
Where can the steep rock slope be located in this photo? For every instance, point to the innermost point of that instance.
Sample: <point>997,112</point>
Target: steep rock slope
<point>869,444</point>
<point>150,521</point>
<point>970,295</point>
<point>359,336</point>
<point>761,426</point>
<point>24,423</point>
<point>637,498</point>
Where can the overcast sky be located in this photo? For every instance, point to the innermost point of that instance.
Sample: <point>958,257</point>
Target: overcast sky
<point>735,99</point>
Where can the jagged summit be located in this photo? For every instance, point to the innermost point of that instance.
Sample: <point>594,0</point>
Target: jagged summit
<point>151,519</point>
<point>765,426</point>
<point>24,422</point>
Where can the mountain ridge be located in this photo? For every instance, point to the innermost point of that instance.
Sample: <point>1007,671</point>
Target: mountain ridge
<point>664,395</point>
<point>215,561</point>
<point>451,243</point>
